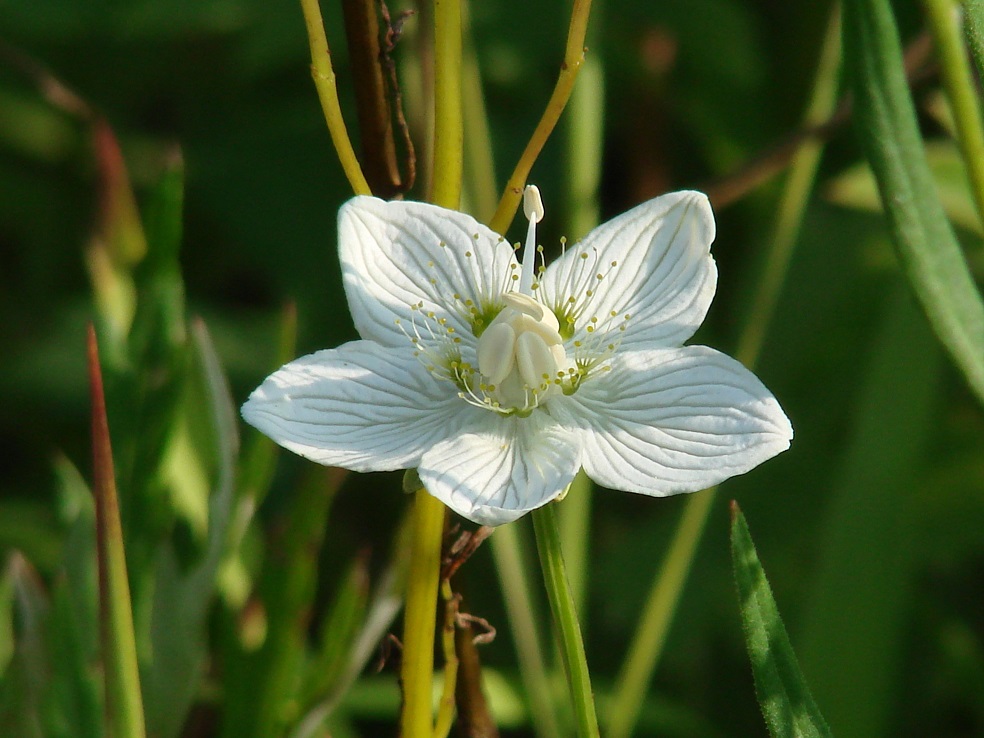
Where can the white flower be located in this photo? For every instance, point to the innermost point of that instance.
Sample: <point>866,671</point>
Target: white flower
<point>498,381</point>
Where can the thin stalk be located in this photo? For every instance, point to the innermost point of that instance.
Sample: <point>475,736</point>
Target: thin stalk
<point>565,619</point>
<point>416,720</point>
<point>445,708</point>
<point>417,669</point>
<point>573,59</point>
<point>664,595</point>
<point>657,614</point>
<point>523,620</point>
<point>961,90</point>
<point>584,133</point>
<point>482,190</point>
<point>448,131</point>
<point>371,97</point>
<point>324,83</point>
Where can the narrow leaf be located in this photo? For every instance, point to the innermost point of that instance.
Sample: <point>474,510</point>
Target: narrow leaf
<point>124,705</point>
<point>786,702</point>
<point>924,240</point>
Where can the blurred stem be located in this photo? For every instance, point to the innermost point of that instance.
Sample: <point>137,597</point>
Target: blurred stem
<point>324,83</point>
<point>445,709</point>
<point>795,196</point>
<point>523,624</point>
<point>417,669</point>
<point>575,528</point>
<point>124,702</point>
<point>583,129</point>
<point>657,614</point>
<point>371,96</point>
<point>479,158</point>
<point>448,132</point>
<point>664,596</point>
<point>565,618</point>
<point>573,59</point>
<point>961,90</point>
<point>584,133</point>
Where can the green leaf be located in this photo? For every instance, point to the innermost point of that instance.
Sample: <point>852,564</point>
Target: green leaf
<point>23,685</point>
<point>182,594</point>
<point>974,30</point>
<point>923,238</point>
<point>338,630</point>
<point>124,704</point>
<point>786,702</point>
<point>263,690</point>
<point>855,187</point>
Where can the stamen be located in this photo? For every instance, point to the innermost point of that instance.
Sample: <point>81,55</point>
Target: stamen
<point>533,209</point>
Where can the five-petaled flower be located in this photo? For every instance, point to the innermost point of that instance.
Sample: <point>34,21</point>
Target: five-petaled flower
<point>499,380</point>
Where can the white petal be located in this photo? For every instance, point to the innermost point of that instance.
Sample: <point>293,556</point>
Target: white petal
<point>674,420</point>
<point>392,257</point>
<point>360,406</point>
<point>498,471</point>
<point>664,276</point>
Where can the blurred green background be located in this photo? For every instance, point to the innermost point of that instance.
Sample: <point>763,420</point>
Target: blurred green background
<point>871,527</point>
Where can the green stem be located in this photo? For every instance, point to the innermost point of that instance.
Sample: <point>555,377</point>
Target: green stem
<point>650,636</point>
<point>522,614</point>
<point>417,669</point>
<point>565,619</point>
<point>573,59</point>
<point>958,79</point>
<point>448,131</point>
<point>324,83</point>
<point>657,614</point>
<point>417,673</point>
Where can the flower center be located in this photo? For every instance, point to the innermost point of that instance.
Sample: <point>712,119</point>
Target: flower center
<point>521,354</point>
<point>520,358</point>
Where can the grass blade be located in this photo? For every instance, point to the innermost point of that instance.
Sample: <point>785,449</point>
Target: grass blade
<point>786,702</point>
<point>924,240</point>
<point>124,704</point>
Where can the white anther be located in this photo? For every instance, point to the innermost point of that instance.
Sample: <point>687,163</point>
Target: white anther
<point>532,204</point>
<point>496,349</point>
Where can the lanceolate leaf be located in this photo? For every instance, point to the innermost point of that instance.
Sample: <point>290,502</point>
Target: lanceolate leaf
<point>786,702</point>
<point>925,243</point>
<point>124,704</point>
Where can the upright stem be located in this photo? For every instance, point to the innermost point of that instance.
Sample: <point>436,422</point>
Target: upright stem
<point>573,58</point>
<point>324,83</point>
<point>961,90</point>
<point>448,135</point>
<point>565,619</point>
<point>417,672</point>
<point>417,668</point>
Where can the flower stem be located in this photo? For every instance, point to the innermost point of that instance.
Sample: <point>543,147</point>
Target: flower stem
<point>324,83</point>
<point>565,619</point>
<point>573,59</point>
<point>958,79</point>
<point>448,131</point>
<point>417,668</point>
